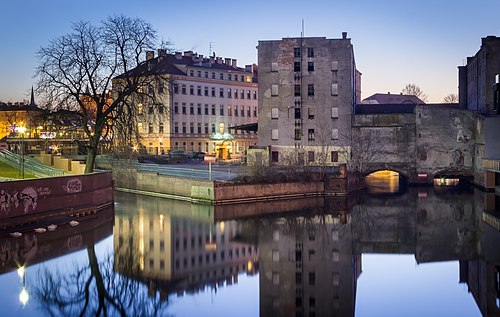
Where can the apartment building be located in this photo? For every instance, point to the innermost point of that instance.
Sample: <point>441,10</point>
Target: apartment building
<point>207,102</point>
<point>308,88</point>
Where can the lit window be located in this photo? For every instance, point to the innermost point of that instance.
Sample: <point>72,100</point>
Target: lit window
<point>274,113</point>
<point>310,134</point>
<point>335,134</point>
<point>274,90</point>
<point>335,89</point>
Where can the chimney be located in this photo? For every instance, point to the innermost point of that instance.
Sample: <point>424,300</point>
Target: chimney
<point>219,60</point>
<point>227,61</point>
<point>344,35</point>
<point>150,55</point>
<point>233,63</point>
<point>212,60</point>
<point>249,68</point>
<point>162,52</point>
<point>178,55</point>
<point>188,53</point>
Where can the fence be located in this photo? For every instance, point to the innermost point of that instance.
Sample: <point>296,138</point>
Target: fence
<point>31,166</point>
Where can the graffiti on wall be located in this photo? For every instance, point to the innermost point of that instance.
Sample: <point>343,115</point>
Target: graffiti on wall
<point>73,186</point>
<point>28,198</point>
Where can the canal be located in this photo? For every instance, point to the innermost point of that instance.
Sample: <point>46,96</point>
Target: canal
<point>389,251</point>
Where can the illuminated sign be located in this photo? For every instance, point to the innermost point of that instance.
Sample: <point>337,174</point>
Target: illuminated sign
<point>47,135</point>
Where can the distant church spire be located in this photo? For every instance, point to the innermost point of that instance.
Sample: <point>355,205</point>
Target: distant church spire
<point>32,101</point>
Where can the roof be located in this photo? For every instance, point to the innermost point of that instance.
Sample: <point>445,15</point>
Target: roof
<point>169,64</point>
<point>17,107</point>
<point>392,99</point>
<point>397,108</point>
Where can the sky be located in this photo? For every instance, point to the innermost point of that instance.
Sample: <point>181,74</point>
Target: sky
<point>396,42</point>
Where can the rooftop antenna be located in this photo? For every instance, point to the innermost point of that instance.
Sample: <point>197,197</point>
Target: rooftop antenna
<point>210,49</point>
<point>302,33</point>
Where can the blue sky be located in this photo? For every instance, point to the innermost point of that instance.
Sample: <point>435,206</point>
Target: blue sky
<point>395,41</point>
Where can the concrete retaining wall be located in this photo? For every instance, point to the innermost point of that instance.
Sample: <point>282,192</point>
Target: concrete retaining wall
<point>29,200</point>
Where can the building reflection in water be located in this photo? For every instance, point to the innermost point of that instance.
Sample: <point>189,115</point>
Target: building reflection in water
<point>180,247</point>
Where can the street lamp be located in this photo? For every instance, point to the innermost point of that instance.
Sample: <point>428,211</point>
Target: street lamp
<point>22,130</point>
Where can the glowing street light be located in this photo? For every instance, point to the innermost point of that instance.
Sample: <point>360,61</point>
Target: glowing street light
<point>21,130</point>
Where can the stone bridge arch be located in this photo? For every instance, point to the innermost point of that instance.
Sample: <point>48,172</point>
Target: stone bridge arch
<point>401,170</point>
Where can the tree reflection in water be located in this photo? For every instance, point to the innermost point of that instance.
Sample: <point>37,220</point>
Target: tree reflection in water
<point>96,289</point>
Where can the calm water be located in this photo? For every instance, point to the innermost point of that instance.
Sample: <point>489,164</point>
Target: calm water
<point>419,252</point>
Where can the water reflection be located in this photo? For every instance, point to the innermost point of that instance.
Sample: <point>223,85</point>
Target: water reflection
<point>308,255</point>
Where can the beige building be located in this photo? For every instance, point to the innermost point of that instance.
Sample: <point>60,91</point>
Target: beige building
<point>207,98</point>
<point>309,87</point>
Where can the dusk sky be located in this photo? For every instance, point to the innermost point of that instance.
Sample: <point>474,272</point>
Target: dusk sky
<point>395,42</point>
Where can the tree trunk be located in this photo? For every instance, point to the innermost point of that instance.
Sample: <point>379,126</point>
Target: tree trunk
<point>90,161</point>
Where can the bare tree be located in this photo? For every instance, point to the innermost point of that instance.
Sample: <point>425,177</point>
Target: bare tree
<point>451,98</point>
<point>76,70</point>
<point>363,147</point>
<point>414,90</point>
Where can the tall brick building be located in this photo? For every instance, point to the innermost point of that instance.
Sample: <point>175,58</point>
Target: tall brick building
<point>308,88</point>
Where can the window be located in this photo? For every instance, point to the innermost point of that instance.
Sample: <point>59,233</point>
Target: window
<point>254,95</point>
<point>310,156</point>
<point>150,109</point>
<point>297,91</point>
<point>335,156</point>
<point>296,52</point>
<point>221,110</point>
<point>191,108</point>
<point>310,90</point>
<point>160,87</point>
<point>276,278</point>
<point>199,108</point>
<point>191,90</point>
<point>236,93</point>
<point>150,128</point>
<point>310,52</point>
<point>274,90</point>
<point>206,91</point>
<point>335,134</point>
<point>310,113</point>
<point>274,134</point>
<point>296,66</point>
<point>221,76</point>
<point>213,127</point>
<point>242,94</point>
<point>335,65</point>
<point>229,93</point>
<point>206,131</point>
<point>310,66</point>
<point>199,73</point>
<point>335,89</point>
<point>248,111</point>
<point>213,91</point>
<point>255,112</point>
<point>176,108</point>
<point>198,90</point>
<point>206,74</point>
<point>184,127</point>
<point>183,89</point>
<point>229,112</point>
<point>298,113</point>
<point>160,127</point>
<point>248,94</point>
<point>213,110</point>
<point>199,129</point>
<point>229,77</point>
<point>312,278</point>
<point>139,108</point>
<point>274,156</point>
<point>242,78</point>
<point>221,92</point>
<point>335,112</point>
<point>298,136</point>
<point>213,75</point>
<point>274,66</point>
<point>183,108</point>
<point>176,127</point>
<point>160,109</point>
<point>235,111</point>
<point>276,255</point>
<point>191,72</point>
<point>310,134</point>
<point>176,89</point>
<point>242,111</point>
<point>206,109</point>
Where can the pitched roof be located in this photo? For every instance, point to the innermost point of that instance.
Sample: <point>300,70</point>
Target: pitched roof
<point>18,107</point>
<point>387,99</point>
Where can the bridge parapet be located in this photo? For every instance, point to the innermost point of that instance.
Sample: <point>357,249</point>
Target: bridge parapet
<point>492,165</point>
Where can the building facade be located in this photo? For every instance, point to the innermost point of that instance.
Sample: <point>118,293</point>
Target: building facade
<point>206,99</point>
<point>309,87</point>
<point>479,80</point>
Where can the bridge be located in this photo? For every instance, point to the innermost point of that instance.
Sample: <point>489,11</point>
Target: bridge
<point>431,140</point>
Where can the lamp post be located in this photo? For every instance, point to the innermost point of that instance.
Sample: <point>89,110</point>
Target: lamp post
<point>22,130</point>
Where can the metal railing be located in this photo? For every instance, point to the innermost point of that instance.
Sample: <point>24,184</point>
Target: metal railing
<point>192,173</point>
<point>31,166</point>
